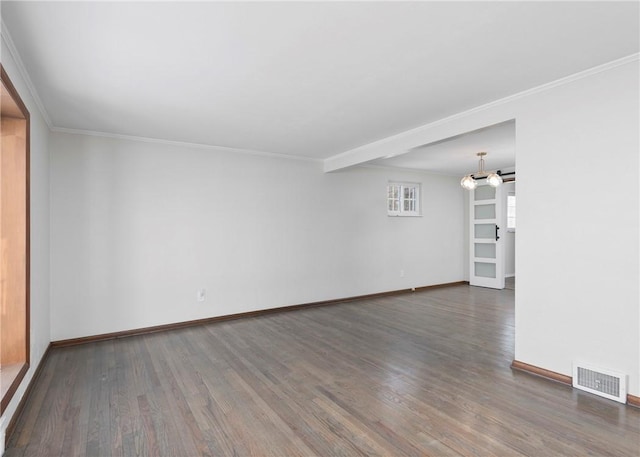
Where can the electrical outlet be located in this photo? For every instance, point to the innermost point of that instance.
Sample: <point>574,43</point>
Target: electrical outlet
<point>202,294</point>
<point>402,273</point>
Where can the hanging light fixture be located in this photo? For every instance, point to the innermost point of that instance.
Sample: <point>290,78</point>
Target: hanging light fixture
<point>469,182</point>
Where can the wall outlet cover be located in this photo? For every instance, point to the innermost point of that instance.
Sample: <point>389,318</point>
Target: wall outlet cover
<point>202,294</point>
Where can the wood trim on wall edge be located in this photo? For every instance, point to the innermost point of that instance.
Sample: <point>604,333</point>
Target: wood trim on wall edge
<point>542,372</point>
<point>16,415</point>
<point>17,380</point>
<point>228,317</point>
<point>632,400</point>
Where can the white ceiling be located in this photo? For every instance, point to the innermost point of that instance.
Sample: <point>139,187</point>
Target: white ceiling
<point>306,79</point>
<point>457,156</point>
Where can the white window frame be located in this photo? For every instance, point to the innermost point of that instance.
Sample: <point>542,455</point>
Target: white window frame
<point>510,215</point>
<point>399,209</point>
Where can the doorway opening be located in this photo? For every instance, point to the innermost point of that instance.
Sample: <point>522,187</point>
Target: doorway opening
<point>14,240</point>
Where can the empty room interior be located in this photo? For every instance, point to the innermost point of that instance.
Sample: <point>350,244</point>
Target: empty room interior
<point>290,228</point>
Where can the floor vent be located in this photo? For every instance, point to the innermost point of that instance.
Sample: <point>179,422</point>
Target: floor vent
<point>606,383</point>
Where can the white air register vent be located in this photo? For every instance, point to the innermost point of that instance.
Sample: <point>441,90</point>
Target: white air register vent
<point>606,383</point>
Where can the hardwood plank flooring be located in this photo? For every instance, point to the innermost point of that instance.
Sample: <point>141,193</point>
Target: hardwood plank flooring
<point>423,374</point>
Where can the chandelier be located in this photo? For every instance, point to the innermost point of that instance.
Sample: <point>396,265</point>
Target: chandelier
<point>469,182</point>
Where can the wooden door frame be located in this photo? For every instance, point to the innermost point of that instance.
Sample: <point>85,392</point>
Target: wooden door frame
<point>23,109</point>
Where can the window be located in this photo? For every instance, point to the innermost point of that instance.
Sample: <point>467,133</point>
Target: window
<point>403,199</point>
<point>511,212</point>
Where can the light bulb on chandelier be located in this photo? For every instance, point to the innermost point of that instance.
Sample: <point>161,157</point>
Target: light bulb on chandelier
<point>494,179</point>
<point>469,183</point>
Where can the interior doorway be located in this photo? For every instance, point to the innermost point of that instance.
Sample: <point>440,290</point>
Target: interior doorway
<point>14,240</point>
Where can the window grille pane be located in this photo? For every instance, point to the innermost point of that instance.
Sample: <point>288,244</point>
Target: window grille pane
<point>409,205</point>
<point>511,211</point>
<point>393,194</point>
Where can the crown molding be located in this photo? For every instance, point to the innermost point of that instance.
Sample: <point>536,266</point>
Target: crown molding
<point>502,101</point>
<point>6,37</point>
<point>184,144</point>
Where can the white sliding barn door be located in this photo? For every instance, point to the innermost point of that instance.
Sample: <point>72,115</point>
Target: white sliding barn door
<point>486,254</point>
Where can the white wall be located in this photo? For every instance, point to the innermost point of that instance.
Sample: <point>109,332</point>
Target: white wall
<point>577,247</point>
<point>138,227</point>
<point>40,336</point>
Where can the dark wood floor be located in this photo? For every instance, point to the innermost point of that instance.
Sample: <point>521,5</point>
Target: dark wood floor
<point>510,283</point>
<point>416,374</point>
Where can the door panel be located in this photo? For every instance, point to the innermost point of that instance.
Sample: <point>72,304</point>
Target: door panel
<point>486,267</point>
